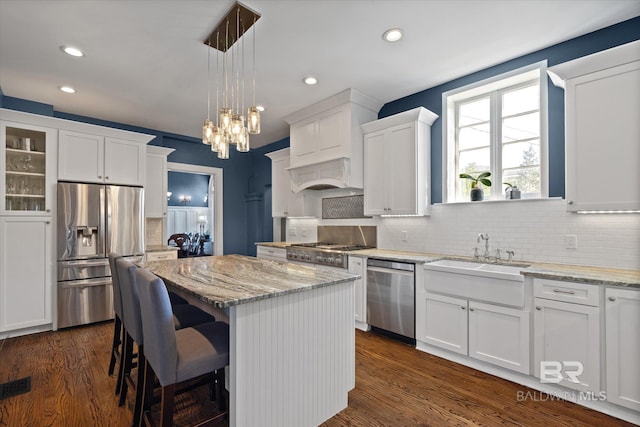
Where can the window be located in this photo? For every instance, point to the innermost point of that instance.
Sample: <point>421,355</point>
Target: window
<point>499,126</point>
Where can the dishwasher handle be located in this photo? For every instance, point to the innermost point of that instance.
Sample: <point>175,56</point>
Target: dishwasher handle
<point>390,265</point>
<point>390,272</point>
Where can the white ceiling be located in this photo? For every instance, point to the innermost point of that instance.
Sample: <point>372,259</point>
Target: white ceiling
<point>146,65</point>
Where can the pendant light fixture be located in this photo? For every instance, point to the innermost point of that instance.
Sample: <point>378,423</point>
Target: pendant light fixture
<point>231,128</point>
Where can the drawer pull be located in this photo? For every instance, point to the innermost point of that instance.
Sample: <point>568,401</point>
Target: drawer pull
<point>538,307</point>
<point>612,298</point>
<point>561,291</point>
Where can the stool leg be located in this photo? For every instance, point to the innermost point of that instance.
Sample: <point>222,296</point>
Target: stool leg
<point>142,365</point>
<point>147,397</point>
<point>126,369</point>
<point>220,401</point>
<point>166,405</point>
<point>117,334</point>
<point>123,352</point>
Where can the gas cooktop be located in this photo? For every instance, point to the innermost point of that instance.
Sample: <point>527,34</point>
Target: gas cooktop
<point>328,254</point>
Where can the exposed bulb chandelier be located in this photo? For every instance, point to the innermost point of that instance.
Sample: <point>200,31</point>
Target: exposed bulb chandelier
<point>230,126</point>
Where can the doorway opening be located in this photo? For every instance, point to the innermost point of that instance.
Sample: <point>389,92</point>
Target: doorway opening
<point>197,209</point>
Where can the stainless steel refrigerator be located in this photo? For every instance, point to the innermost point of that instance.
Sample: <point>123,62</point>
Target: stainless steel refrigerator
<point>94,220</point>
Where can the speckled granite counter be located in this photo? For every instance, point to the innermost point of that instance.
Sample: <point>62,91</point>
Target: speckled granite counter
<point>228,280</point>
<point>577,273</point>
<point>417,257</point>
<point>573,273</point>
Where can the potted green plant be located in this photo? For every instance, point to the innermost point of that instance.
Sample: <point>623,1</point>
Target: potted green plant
<point>477,193</point>
<point>511,192</point>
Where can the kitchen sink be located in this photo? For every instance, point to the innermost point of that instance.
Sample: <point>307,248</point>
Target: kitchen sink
<point>497,271</point>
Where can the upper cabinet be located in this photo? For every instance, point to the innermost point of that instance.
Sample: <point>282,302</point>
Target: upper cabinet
<point>602,129</point>
<point>27,168</point>
<point>397,163</point>
<point>284,202</point>
<point>326,141</point>
<point>99,159</point>
<point>155,187</point>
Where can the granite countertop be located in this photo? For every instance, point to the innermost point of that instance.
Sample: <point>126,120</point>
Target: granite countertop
<point>394,255</point>
<point>579,273</point>
<point>228,280</point>
<point>160,248</point>
<point>572,273</point>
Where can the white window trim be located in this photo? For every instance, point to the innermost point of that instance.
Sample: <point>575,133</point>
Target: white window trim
<point>502,80</point>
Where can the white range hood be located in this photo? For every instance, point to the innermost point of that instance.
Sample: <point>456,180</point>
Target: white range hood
<point>326,142</point>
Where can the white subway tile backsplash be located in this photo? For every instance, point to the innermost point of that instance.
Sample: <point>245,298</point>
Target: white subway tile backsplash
<point>535,230</point>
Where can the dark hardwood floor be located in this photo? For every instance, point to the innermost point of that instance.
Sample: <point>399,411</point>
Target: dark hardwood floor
<point>396,385</point>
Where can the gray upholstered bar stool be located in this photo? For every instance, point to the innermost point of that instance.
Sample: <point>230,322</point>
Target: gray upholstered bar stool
<point>184,315</point>
<point>176,356</point>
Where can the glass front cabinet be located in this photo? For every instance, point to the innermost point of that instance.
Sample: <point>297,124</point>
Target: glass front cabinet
<point>27,166</point>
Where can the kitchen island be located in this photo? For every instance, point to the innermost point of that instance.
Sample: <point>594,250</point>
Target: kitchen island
<point>292,341</point>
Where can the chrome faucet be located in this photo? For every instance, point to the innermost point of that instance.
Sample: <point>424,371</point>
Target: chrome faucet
<point>511,254</point>
<point>484,237</point>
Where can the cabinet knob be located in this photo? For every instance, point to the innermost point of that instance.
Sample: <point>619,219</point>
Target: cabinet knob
<point>48,210</point>
<point>612,298</point>
<point>99,176</point>
<point>570,202</point>
<point>106,177</point>
<point>471,309</point>
<point>538,307</point>
<point>462,307</point>
<point>47,222</point>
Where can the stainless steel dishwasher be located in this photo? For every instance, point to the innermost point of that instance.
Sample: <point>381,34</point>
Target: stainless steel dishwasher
<point>391,296</point>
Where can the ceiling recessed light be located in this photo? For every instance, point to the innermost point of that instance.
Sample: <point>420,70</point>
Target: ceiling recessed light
<point>392,35</point>
<point>73,51</point>
<point>310,80</point>
<point>260,107</point>
<point>67,89</point>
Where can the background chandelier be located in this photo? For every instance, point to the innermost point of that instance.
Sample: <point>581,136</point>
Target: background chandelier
<point>230,126</point>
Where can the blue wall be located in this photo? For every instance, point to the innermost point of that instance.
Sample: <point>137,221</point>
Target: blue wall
<point>188,184</point>
<point>431,99</point>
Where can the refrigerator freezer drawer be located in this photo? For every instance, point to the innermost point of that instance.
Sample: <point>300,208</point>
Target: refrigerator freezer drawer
<point>83,269</point>
<point>84,301</point>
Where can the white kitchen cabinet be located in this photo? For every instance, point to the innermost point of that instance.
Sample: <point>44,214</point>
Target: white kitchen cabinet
<point>161,255</point>
<point>397,163</point>
<point>567,334</point>
<point>26,272</point>
<point>443,322</point>
<point>326,141</point>
<point>357,265</point>
<point>622,319</point>
<point>602,130</point>
<point>28,155</point>
<point>155,187</point>
<point>284,202</point>
<point>99,159</point>
<point>271,252</point>
<point>321,137</point>
<point>499,335</point>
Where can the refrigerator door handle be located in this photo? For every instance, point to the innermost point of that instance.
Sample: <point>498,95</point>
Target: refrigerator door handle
<point>102,235</point>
